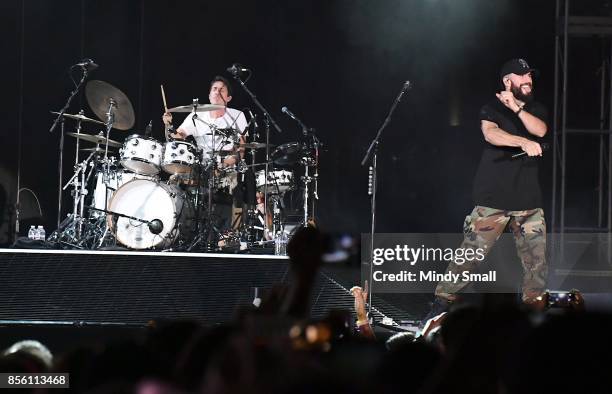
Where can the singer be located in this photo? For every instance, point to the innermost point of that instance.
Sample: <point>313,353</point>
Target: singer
<point>506,191</point>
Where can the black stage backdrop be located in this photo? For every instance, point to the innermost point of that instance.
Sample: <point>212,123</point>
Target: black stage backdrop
<point>337,64</point>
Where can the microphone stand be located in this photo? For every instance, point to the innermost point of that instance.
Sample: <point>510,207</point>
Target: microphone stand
<point>372,183</point>
<point>267,120</point>
<point>60,117</point>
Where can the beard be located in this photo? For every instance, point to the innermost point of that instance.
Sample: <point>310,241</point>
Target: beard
<point>518,93</point>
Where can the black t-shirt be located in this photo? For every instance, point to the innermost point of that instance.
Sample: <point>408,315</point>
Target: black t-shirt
<point>502,182</point>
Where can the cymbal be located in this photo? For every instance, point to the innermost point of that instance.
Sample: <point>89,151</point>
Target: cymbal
<point>79,117</point>
<point>96,149</point>
<point>289,154</point>
<point>255,145</point>
<point>224,132</point>
<point>100,93</point>
<point>96,139</point>
<point>199,108</point>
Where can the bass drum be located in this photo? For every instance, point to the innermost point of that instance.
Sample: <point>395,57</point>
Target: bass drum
<point>106,186</point>
<point>148,200</point>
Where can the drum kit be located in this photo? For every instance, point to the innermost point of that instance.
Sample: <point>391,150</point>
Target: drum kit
<point>146,194</point>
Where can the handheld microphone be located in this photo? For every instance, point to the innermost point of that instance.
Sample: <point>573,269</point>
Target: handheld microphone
<point>545,146</point>
<point>236,69</point>
<point>407,86</point>
<point>87,64</point>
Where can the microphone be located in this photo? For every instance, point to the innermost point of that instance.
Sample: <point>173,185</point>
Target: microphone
<point>149,128</point>
<point>156,226</point>
<point>407,86</point>
<point>545,146</point>
<point>87,64</point>
<point>286,111</point>
<point>236,69</point>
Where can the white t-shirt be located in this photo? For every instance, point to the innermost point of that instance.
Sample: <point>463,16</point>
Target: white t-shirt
<point>201,131</point>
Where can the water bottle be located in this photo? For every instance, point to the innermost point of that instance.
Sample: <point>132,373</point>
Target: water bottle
<point>32,232</point>
<point>42,236</point>
<point>280,244</point>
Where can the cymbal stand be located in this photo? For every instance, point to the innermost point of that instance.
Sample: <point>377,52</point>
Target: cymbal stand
<point>308,161</point>
<point>110,119</point>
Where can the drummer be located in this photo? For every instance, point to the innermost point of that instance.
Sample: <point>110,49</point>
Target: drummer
<point>229,153</point>
<point>226,118</point>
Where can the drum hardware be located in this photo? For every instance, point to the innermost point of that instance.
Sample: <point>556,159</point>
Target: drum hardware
<point>206,234</point>
<point>60,117</point>
<point>291,153</point>
<point>155,226</point>
<point>73,229</point>
<point>268,120</point>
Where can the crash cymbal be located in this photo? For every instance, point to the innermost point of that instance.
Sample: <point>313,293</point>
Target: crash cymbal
<point>199,108</point>
<point>96,139</point>
<point>79,117</point>
<point>96,149</point>
<point>255,145</point>
<point>99,95</point>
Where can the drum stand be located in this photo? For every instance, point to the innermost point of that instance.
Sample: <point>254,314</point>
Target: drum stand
<point>307,162</point>
<point>71,232</point>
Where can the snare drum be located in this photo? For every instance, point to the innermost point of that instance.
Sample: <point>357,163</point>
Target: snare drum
<point>179,157</point>
<point>141,155</point>
<point>279,181</point>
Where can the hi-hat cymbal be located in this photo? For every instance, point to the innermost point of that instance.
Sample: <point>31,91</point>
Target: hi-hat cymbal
<point>99,95</point>
<point>96,149</point>
<point>96,139</point>
<point>199,108</point>
<point>255,145</point>
<point>79,117</point>
<point>227,131</point>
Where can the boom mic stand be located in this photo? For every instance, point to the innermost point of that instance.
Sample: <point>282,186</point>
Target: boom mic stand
<point>59,118</point>
<point>372,154</point>
<point>267,120</point>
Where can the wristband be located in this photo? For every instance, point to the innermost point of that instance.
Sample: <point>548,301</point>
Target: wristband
<point>519,111</point>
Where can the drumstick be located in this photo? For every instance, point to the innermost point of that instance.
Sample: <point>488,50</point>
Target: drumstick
<point>164,98</point>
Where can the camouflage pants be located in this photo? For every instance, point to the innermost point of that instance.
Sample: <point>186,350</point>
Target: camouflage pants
<point>484,226</point>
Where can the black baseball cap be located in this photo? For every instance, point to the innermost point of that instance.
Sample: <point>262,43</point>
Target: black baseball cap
<point>518,67</point>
